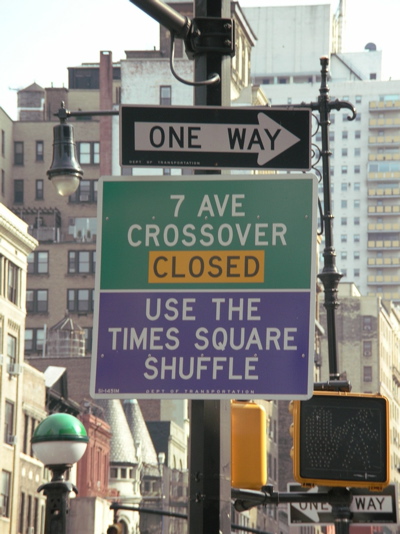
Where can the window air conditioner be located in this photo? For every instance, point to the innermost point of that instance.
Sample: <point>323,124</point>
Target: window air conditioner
<point>14,369</point>
<point>11,440</point>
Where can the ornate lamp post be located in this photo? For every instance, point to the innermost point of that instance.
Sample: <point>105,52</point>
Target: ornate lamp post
<point>59,441</point>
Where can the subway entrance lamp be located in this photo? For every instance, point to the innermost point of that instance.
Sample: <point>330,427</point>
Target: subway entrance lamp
<point>59,441</point>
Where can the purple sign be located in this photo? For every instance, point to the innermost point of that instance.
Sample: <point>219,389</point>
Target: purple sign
<point>205,344</point>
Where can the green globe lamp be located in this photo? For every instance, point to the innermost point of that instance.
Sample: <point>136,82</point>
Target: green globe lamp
<point>59,441</point>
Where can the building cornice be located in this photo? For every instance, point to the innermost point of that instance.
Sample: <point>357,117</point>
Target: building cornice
<point>15,230</point>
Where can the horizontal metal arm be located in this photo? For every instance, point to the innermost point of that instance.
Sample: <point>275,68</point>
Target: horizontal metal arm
<point>141,509</point>
<point>246,499</point>
<point>166,16</point>
<point>64,113</point>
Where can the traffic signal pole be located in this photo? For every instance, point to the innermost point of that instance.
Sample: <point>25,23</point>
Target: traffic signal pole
<point>330,276</point>
<point>209,457</point>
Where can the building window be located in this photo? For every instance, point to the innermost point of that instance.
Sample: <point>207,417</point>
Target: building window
<point>37,300</point>
<point>88,338</point>
<point>39,193</point>
<point>38,262</point>
<point>30,423</point>
<point>344,152</point>
<point>343,255</point>
<point>367,373</point>
<point>357,134</point>
<point>345,134</point>
<point>343,204</point>
<point>88,153</point>
<point>372,76</point>
<point>357,152</point>
<point>5,493</point>
<point>22,513</point>
<point>82,228</point>
<point>343,221</point>
<point>34,339</point>
<point>357,169</point>
<point>358,117</point>
<point>80,300</point>
<point>343,238</point>
<point>165,95</point>
<point>18,153</point>
<point>356,221</point>
<point>344,171</point>
<point>367,349</point>
<point>39,150</point>
<point>356,203</point>
<point>356,254</point>
<point>11,349</point>
<point>356,273</point>
<point>82,261</point>
<point>367,323</point>
<point>18,191</point>
<point>356,238</point>
<point>13,281</point>
<point>331,136</point>
<point>8,421</point>
<point>36,515</point>
<point>86,192</point>
<point>29,511</point>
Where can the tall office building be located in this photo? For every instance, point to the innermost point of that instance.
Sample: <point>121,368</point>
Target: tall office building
<point>365,161</point>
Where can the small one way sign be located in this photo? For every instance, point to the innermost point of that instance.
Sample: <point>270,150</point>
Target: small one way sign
<point>216,137</point>
<point>366,507</point>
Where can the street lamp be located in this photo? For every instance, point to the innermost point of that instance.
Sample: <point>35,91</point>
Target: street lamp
<point>65,171</point>
<point>59,441</point>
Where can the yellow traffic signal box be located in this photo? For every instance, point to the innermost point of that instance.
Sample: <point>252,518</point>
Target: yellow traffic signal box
<point>248,445</point>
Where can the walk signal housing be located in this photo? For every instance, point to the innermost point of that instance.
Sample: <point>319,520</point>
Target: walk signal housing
<point>341,439</point>
<point>248,445</point>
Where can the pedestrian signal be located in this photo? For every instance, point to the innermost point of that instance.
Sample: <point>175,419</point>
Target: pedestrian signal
<point>341,439</point>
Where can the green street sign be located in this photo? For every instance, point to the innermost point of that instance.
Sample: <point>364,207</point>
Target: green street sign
<point>213,232</point>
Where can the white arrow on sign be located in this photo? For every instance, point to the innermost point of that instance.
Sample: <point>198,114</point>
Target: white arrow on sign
<point>267,138</point>
<point>311,509</point>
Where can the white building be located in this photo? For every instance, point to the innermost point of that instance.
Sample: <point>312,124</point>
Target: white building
<point>365,161</point>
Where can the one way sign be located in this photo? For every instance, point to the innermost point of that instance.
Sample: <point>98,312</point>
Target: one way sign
<point>366,507</point>
<point>214,137</point>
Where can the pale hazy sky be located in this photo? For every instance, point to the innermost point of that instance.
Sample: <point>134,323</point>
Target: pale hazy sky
<point>39,39</point>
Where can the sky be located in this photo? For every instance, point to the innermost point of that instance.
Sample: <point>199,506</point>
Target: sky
<point>40,39</point>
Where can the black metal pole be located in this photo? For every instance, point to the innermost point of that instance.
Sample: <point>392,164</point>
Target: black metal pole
<point>210,481</point>
<point>329,276</point>
<point>57,503</point>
